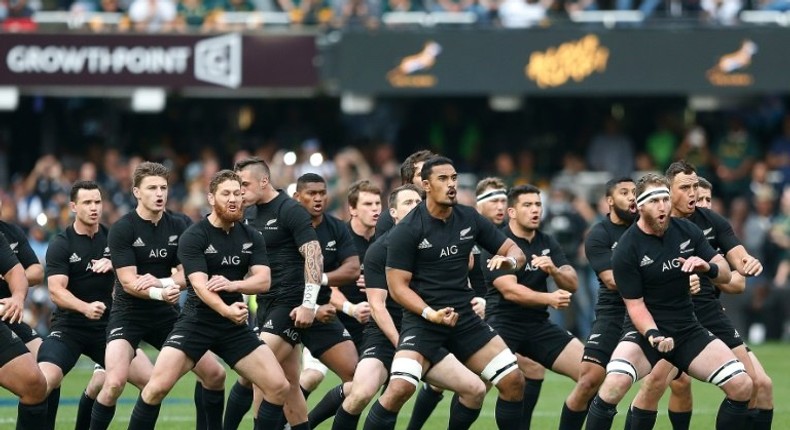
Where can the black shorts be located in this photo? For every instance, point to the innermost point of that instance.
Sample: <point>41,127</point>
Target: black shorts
<point>138,326</point>
<point>467,337</point>
<point>355,329</point>
<point>712,317</point>
<point>11,345</point>
<point>276,319</point>
<point>320,337</point>
<point>688,345</point>
<point>603,339</point>
<point>376,345</point>
<point>65,344</point>
<point>229,341</point>
<point>539,340</point>
<point>24,331</point>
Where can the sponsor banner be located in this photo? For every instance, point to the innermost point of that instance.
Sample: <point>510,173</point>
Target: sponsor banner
<point>173,61</point>
<point>562,61</point>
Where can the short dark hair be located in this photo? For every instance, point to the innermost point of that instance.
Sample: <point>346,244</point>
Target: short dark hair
<point>678,167</point>
<point>149,168</point>
<point>704,183</point>
<point>611,184</point>
<point>427,167</point>
<point>309,178</point>
<point>251,162</point>
<point>82,185</point>
<point>650,179</point>
<point>394,194</point>
<point>361,186</point>
<point>490,182</point>
<point>220,177</point>
<point>407,167</point>
<point>516,192</point>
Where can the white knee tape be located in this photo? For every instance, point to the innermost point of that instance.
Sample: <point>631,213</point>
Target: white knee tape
<point>623,367</point>
<point>500,366</point>
<point>407,369</point>
<point>312,363</point>
<point>725,372</point>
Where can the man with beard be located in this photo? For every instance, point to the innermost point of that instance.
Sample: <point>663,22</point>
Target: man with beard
<point>610,309</point>
<point>223,259</point>
<point>149,278</point>
<point>710,313</point>
<point>409,174</point>
<point>290,305</point>
<point>654,265</point>
<point>429,251</point>
<point>80,279</point>
<point>704,194</point>
<point>517,303</point>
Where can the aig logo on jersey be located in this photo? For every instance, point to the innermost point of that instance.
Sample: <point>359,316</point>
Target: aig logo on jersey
<point>671,264</point>
<point>231,260</point>
<point>158,253</point>
<point>448,251</point>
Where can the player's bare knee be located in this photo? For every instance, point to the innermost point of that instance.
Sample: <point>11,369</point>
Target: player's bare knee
<point>154,392</point>
<point>473,392</point>
<point>502,371</point>
<point>588,385</point>
<point>35,390</point>
<point>113,386</point>
<point>511,387</point>
<point>212,375</point>
<point>763,385</point>
<point>358,399</point>
<point>681,386</point>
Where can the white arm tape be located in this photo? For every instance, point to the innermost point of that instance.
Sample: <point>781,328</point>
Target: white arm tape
<point>622,367</point>
<point>408,369</point>
<point>725,372</point>
<point>499,366</point>
<point>310,295</point>
<point>348,308</point>
<point>167,282</point>
<point>155,293</point>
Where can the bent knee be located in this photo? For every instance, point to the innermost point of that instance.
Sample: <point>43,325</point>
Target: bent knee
<point>763,384</point>
<point>511,387</point>
<point>35,390</point>
<point>213,376</point>
<point>474,391</point>
<point>739,388</point>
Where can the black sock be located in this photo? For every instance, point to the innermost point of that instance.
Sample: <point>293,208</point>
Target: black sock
<point>268,416</point>
<point>380,418</point>
<point>344,420</point>
<point>53,401</point>
<point>426,402</point>
<point>600,415</point>
<point>572,420</point>
<point>239,402</point>
<point>200,411</point>
<point>531,393</point>
<point>461,417</point>
<point>305,393</point>
<point>642,419</point>
<point>327,407</point>
<point>213,405</point>
<point>680,420</point>
<point>144,416</point>
<point>303,426</point>
<point>763,419</point>
<point>508,414</point>
<point>31,417</point>
<point>101,416</point>
<point>732,415</point>
<point>629,416</point>
<point>84,412</point>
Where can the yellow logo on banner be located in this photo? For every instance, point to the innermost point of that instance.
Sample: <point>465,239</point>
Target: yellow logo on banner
<point>571,60</point>
<point>721,75</point>
<point>403,75</point>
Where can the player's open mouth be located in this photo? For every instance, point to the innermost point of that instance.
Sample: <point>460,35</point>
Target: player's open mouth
<point>318,208</point>
<point>632,208</point>
<point>451,193</point>
<point>692,204</point>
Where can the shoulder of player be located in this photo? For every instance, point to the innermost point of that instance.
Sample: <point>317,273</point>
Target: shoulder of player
<point>12,231</point>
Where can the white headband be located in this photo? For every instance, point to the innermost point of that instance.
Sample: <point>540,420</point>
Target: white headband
<point>651,194</point>
<point>493,194</point>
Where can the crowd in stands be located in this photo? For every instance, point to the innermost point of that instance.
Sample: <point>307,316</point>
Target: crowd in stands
<point>213,15</point>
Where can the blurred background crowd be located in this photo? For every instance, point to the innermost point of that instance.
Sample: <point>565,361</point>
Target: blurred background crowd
<point>569,151</point>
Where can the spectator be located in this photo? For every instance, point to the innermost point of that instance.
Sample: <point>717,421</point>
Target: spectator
<point>778,156</point>
<point>611,151</point>
<point>662,143</point>
<point>523,13</point>
<point>153,15</point>
<point>695,149</point>
<point>357,13</point>
<point>734,157</point>
<point>194,15</point>
<point>307,11</point>
<point>724,12</point>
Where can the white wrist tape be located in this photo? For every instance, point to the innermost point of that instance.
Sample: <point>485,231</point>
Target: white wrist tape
<point>324,279</point>
<point>155,293</point>
<point>481,301</point>
<point>167,282</point>
<point>426,312</point>
<point>348,308</point>
<point>310,295</point>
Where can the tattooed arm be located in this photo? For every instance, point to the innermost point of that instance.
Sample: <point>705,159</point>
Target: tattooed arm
<point>304,315</point>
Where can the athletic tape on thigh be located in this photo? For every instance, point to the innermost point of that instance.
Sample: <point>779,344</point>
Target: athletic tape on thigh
<point>624,367</point>
<point>310,362</point>
<point>407,369</point>
<point>725,372</point>
<point>499,366</point>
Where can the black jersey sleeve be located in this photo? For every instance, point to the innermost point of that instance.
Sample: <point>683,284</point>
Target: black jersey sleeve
<point>598,249</point>
<point>724,233</point>
<point>58,257</point>
<point>24,252</point>
<point>375,262</point>
<point>7,258</point>
<point>345,244</point>
<point>120,241</point>
<point>259,256</point>
<point>191,247</point>
<point>402,248</point>
<point>558,256</point>
<point>625,266</point>
<point>703,248</point>
<point>491,275</point>
<point>298,222</point>
<point>489,237</point>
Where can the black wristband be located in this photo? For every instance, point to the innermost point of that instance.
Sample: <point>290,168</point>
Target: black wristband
<point>654,333</point>
<point>713,272</point>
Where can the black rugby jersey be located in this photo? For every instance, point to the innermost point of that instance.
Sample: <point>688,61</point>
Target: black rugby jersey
<point>598,247</point>
<point>286,226</point>
<point>476,279</point>
<point>647,266</point>
<point>436,252</point>
<point>71,254</point>
<point>384,223</point>
<point>152,248</point>
<point>7,258</point>
<point>376,275</point>
<point>361,245</point>
<point>20,246</point>
<point>336,246</point>
<point>719,233</point>
<point>209,249</point>
<point>543,245</point>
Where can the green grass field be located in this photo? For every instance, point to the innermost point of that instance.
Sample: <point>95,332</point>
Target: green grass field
<point>178,410</point>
